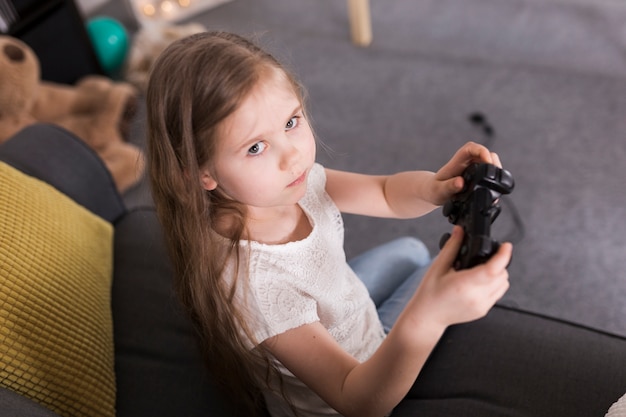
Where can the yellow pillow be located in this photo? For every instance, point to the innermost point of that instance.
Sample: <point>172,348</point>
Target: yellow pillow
<point>56,331</point>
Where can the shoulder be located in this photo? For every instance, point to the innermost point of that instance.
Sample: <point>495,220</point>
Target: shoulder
<point>317,201</point>
<point>316,187</point>
<point>317,177</point>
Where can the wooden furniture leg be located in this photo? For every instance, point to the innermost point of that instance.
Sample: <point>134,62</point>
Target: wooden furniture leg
<point>360,22</point>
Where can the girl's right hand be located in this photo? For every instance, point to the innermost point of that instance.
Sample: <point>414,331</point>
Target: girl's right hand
<point>448,296</point>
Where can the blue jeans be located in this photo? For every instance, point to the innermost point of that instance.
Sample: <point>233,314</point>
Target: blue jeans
<point>392,272</point>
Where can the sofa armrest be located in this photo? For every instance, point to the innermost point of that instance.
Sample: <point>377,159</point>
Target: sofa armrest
<point>58,157</point>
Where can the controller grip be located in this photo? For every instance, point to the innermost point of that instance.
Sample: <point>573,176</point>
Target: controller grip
<point>476,250</point>
<point>473,251</point>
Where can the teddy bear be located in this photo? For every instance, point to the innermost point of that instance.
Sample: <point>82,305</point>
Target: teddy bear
<point>96,109</point>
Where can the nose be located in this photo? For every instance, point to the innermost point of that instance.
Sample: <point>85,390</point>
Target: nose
<point>289,156</point>
<point>13,52</point>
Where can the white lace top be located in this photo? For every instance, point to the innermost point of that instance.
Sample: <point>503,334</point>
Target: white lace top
<point>307,281</point>
<point>618,409</point>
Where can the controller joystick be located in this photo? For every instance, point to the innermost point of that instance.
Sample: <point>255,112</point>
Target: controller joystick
<point>475,208</point>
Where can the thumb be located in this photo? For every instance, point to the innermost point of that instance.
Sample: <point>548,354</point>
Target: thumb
<point>446,188</point>
<point>451,185</point>
<point>501,259</point>
<point>450,249</point>
<point>455,184</point>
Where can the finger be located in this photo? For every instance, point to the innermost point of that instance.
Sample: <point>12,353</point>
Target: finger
<point>447,255</point>
<point>500,260</point>
<point>501,288</point>
<point>469,153</point>
<point>457,184</point>
<point>499,285</point>
<point>495,160</point>
<point>447,189</point>
<point>476,152</point>
<point>453,186</point>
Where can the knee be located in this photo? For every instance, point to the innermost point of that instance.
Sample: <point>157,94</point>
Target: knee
<point>411,248</point>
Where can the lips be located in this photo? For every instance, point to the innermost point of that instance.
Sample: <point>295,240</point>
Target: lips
<point>298,180</point>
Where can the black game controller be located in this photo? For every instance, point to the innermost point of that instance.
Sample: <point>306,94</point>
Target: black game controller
<point>475,208</point>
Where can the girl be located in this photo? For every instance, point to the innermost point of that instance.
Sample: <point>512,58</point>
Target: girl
<point>255,234</point>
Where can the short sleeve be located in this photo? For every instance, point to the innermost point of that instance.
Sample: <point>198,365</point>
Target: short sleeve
<point>317,180</point>
<point>280,306</point>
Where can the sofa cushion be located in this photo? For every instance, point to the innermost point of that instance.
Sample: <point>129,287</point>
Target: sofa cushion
<point>518,363</point>
<point>56,336</point>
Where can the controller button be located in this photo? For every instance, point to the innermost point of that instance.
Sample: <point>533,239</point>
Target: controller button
<point>448,208</point>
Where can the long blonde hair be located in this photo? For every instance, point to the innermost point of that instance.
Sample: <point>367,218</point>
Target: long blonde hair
<point>195,84</point>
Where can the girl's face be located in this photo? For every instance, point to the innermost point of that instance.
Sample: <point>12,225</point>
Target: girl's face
<point>265,149</point>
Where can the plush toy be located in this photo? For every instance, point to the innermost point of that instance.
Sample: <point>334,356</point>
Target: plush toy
<point>96,109</point>
<point>19,77</point>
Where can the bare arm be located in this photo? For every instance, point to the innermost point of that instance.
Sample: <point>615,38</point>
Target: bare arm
<point>401,195</point>
<point>405,194</point>
<point>374,387</point>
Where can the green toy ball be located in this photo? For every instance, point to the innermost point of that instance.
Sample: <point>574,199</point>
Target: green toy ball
<point>110,42</point>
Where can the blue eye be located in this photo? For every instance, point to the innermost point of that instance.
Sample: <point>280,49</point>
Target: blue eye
<point>292,123</point>
<point>257,148</point>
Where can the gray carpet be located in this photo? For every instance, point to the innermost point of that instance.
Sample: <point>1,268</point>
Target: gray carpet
<point>549,75</point>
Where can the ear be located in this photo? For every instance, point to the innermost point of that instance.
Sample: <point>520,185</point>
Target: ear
<point>207,180</point>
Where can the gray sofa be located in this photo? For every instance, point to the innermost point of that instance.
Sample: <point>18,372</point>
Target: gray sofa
<point>511,363</point>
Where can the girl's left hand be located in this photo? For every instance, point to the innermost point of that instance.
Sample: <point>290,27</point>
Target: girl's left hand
<point>449,181</point>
